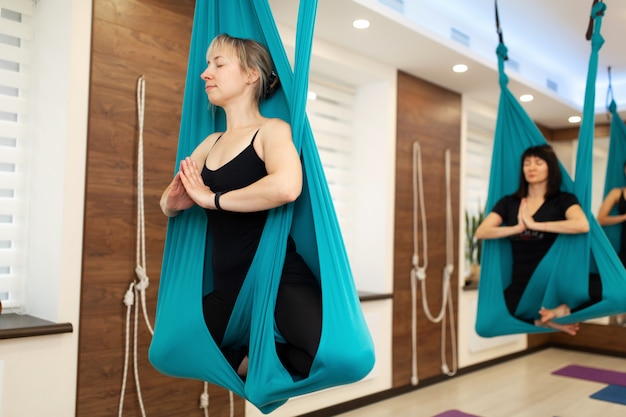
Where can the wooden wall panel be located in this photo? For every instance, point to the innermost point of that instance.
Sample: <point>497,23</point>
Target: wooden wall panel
<point>432,116</point>
<point>594,337</point>
<point>131,38</point>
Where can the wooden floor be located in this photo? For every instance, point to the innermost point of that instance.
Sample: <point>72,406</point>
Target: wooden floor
<point>522,387</point>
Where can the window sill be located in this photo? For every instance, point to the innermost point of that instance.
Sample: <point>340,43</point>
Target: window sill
<point>370,296</point>
<point>470,286</point>
<point>22,325</point>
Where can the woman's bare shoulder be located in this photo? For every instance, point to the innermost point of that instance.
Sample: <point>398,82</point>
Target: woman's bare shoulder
<point>276,124</point>
<point>205,146</point>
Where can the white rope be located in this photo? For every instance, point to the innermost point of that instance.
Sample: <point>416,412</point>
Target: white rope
<point>140,269</point>
<point>128,301</point>
<point>204,399</point>
<point>418,195</point>
<point>138,288</point>
<point>419,272</point>
<point>135,364</point>
<point>448,269</point>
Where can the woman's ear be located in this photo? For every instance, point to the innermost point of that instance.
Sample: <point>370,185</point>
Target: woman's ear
<point>253,75</point>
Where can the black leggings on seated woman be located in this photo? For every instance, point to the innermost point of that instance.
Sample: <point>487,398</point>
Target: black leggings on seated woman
<point>513,295</point>
<point>298,316</point>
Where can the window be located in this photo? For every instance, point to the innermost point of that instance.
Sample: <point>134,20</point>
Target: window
<point>330,112</point>
<point>16,31</point>
<point>480,130</point>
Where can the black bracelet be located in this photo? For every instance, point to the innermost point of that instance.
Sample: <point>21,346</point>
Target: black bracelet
<point>217,200</point>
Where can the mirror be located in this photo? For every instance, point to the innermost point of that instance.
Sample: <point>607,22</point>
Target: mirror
<point>566,151</point>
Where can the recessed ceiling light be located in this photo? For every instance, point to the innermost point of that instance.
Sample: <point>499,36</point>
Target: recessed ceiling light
<point>459,68</point>
<point>311,95</point>
<point>574,119</point>
<point>526,98</point>
<point>361,24</point>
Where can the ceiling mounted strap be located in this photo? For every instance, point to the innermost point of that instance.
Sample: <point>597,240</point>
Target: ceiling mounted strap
<point>498,28</point>
<point>598,12</point>
<point>610,99</point>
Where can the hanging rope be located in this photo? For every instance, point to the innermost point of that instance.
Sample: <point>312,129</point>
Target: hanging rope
<point>140,269</point>
<point>137,289</point>
<point>419,272</point>
<point>448,269</point>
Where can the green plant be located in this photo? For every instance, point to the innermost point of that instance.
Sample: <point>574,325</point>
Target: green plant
<point>474,246</point>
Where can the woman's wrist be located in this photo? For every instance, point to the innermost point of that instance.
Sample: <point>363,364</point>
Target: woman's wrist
<point>216,200</point>
<point>170,213</point>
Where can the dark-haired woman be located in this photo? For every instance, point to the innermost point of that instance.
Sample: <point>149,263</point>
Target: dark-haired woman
<point>532,218</point>
<point>237,176</point>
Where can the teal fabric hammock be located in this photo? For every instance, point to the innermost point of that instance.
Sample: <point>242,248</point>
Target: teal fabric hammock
<point>615,177</point>
<point>563,274</point>
<point>182,346</point>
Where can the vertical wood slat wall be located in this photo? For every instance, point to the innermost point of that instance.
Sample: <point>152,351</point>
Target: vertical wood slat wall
<point>431,115</point>
<point>131,38</point>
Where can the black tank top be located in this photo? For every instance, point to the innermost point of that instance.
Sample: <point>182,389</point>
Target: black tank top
<point>235,235</point>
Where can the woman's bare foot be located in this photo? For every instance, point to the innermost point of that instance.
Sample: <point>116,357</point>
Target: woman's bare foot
<point>570,329</point>
<point>242,370</point>
<point>549,314</point>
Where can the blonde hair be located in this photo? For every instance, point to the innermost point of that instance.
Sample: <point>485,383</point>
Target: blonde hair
<point>252,55</point>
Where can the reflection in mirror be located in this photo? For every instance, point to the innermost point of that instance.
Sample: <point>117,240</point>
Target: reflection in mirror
<point>566,151</point>
<point>601,152</point>
<point>480,126</point>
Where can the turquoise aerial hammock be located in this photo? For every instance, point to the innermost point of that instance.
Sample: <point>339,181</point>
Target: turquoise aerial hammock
<point>182,346</point>
<point>563,274</point>
<point>615,177</point>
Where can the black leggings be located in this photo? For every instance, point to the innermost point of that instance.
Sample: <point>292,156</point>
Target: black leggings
<point>298,316</point>
<point>513,295</point>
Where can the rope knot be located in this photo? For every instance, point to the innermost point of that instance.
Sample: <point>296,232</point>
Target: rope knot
<point>140,271</point>
<point>204,400</point>
<point>421,274</point>
<point>597,41</point>
<point>129,297</point>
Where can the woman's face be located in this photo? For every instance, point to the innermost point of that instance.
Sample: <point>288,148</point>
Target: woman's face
<point>223,77</point>
<point>535,170</point>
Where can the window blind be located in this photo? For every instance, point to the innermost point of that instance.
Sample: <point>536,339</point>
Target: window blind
<point>16,30</point>
<point>330,111</point>
<point>478,150</point>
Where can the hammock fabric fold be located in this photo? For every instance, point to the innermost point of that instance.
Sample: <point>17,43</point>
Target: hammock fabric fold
<point>615,177</point>
<point>563,274</point>
<point>182,346</point>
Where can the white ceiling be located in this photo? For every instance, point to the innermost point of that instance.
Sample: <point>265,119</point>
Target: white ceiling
<point>545,40</point>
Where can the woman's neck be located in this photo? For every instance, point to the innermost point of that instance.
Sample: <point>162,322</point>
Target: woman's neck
<point>242,115</point>
<point>537,191</point>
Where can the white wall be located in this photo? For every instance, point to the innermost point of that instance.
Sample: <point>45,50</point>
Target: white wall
<point>375,166</point>
<point>375,84</point>
<point>39,373</point>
